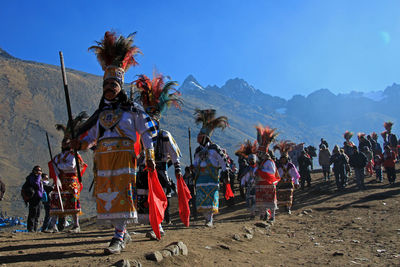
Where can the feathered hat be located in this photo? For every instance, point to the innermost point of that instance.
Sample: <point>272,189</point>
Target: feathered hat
<point>360,135</point>
<point>156,95</point>
<point>247,149</point>
<point>75,124</point>
<point>265,136</point>
<point>284,147</point>
<point>374,135</point>
<point>348,135</point>
<point>388,125</point>
<point>209,122</point>
<point>115,55</point>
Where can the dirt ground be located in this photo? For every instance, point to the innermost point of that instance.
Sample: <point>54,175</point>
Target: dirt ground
<point>326,227</point>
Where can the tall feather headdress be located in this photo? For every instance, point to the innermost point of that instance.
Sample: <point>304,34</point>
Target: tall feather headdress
<point>76,123</point>
<point>247,148</point>
<point>209,122</point>
<point>115,55</point>
<point>348,135</point>
<point>156,95</point>
<point>265,136</point>
<point>284,147</point>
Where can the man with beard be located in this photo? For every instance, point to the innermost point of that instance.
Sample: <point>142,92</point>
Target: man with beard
<point>113,128</point>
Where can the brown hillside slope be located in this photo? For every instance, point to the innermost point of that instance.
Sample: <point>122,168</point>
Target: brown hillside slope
<point>350,228</point>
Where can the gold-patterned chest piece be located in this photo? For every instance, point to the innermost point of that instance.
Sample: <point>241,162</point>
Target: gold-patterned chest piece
<point>110,118</point>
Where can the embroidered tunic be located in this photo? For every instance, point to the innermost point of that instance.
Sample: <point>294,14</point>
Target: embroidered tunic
<point>115,181</point>
<point>249,181</point>
<point>208,160</point>
<point>289,177</point>
<point>266,179</point>
<point>64,165</point>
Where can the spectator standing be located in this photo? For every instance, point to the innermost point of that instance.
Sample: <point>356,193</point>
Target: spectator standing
<point>305,167</point>
<point>2,189</point>
<point>340,163</point>
<point>358,161</point>
<point>34,179</point>
<point>323,159</point>
<point>323,142</point>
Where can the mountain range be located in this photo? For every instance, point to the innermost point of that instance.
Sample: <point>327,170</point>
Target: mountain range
<point>32,102</point>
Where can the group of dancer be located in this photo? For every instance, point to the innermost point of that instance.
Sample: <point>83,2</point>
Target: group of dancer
<point>132,153</point>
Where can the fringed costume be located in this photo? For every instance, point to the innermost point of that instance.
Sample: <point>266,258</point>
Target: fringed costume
<point>267,175</point>
<point>63,170</point>
<point>156,95</point>
<point>208,160</point>
<point>115,129</point>
<point>248,152</point>
<point>289,176</point>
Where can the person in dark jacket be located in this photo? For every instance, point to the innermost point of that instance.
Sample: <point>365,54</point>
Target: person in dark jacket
<point>340,163</point>
<point>358,161</point>
<point>323,142</point>
<point>35,181</point>
<point>305,166</point>
<point>2,190</point>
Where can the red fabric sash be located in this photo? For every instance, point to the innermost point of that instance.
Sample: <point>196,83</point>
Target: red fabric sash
<point>136,146</point>
<point>267,178</point>
<point>184,197</point>
<point>157,202</point>
<point>228,191</point>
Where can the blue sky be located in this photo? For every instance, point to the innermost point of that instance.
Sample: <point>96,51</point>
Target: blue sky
<point>280,47</point>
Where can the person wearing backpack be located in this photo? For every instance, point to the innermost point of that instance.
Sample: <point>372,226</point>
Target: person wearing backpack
<point>34,185</point>
<point>359,161</point>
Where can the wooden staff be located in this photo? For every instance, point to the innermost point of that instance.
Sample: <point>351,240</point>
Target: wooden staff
<point>54,165</point>
<point>78,168</point>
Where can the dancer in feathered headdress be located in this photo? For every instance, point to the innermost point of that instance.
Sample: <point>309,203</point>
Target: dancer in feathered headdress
<point>63,171</point>
<point>208,159</point>
<point>389,138</point>
<point>114,129</point>
<point>348,145</point>
<point>363,142</point>
<point>266,173</point>
<point>156,95</point>
<point>288,173</point>
<point>376,147</point>
<point>246,176</point>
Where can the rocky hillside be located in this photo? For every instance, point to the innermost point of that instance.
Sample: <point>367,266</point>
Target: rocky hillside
<point>32,102</point>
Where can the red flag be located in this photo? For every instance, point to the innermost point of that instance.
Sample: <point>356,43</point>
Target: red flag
<point>136,146</point>
<point>52,172</point>
<point>228,191</point>
<point>157,202</point>
<point>184,197</point>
